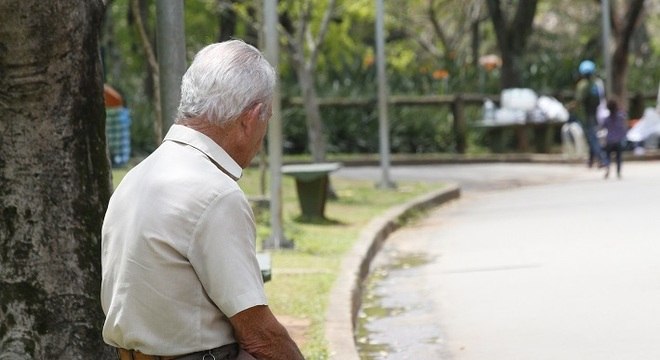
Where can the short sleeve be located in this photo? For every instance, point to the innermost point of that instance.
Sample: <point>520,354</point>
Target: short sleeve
<point>223,254</point>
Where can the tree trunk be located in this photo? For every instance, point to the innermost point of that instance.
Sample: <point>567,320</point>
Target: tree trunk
<point>304,48</point>
<point>315,133</point>
<point>623,30</point>
<point>54,180</point>
<point>511,68</point>
<point>512,38</point>
<point>233,24</point>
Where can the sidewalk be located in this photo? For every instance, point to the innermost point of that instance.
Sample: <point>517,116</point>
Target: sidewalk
<point>477,177</point>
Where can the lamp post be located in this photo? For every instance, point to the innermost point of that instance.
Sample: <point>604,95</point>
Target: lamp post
<point>276,239</point>
<point>383,125</point>
<point>171,43</point>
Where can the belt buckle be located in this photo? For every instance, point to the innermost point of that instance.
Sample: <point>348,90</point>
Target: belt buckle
<point>210,356</point>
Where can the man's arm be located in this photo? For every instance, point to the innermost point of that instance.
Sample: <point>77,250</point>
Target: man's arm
<point>260,334</point>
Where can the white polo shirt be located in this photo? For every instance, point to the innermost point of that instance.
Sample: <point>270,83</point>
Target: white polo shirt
<point>178,250</point>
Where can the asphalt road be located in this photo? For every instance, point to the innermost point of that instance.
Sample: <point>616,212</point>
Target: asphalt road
<point>533,262</point>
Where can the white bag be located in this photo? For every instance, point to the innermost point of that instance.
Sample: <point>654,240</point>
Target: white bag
<point>518,99</point>
<point>602,112</point>
<point>647,126</point>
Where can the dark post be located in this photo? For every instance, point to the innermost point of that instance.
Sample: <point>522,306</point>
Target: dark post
<point>460,128</point>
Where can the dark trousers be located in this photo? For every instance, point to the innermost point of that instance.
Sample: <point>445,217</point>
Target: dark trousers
<point>615,148</point>
<point>595,150</point>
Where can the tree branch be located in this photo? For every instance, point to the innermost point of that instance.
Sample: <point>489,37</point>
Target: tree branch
<point>523,20</point>
<point>323,30</point>
<point>144,38</point>
<point>303,23</point>
<point>437,28</point>
<point>499,23</point>
<point>153,66</point>
<point>632,17</point>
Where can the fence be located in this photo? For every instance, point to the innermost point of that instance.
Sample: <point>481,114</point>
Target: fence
<point>457,104</point>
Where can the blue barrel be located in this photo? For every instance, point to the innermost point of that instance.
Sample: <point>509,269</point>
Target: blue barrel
<point>118,134</point>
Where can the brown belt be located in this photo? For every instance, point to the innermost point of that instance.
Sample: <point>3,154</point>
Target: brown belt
<point>136,355</point>
<point>224,352</point>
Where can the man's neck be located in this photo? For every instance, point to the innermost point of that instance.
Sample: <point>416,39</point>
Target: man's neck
<point>223,135</point>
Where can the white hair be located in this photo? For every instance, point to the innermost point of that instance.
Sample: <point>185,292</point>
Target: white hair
<point>224,80</point>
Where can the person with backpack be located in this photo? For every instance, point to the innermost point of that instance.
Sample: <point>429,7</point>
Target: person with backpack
<point>589,94</point>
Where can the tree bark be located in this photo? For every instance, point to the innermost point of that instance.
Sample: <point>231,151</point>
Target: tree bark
<point>623,29</point>
<point>512,38</point>
<point>54,179</point>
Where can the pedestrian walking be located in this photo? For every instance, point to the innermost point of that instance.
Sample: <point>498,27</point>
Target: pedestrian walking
<point>615,124</point>
<point>589,94</point>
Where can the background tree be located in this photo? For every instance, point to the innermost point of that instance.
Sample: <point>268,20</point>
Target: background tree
<point>418,62</point>
<point>138,12</point>
<point>54,180</point>
<point>304,39</point>
<point>447,38</point>
<point>625,21</point>
<point>512,22</point>
<point>239,17</point>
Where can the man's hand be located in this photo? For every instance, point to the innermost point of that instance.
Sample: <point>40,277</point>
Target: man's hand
<point>260,334</point>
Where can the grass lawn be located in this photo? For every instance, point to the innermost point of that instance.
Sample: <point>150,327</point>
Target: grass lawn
<point>303,277</point>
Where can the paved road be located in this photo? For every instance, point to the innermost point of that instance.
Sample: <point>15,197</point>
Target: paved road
<point>568,268</point>
<point>475,177</point>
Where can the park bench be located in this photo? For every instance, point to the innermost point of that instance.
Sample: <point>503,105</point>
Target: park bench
<point>265,266</point>
<point>542,133</point>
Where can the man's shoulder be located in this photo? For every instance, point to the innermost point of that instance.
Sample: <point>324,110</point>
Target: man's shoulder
<point>583,84</point>
<point>581,87</point>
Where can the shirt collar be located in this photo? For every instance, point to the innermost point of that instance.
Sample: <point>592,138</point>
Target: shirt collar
<point>185,135</point>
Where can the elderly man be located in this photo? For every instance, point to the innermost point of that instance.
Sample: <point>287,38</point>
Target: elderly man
<point>180,274</point>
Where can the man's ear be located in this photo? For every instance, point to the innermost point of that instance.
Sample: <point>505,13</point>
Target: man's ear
<point>252,116</point>
<point>257,110</point>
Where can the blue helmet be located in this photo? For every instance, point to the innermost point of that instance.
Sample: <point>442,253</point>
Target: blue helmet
<point>587,67</point>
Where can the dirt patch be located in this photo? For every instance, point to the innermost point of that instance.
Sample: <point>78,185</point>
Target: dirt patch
<point>297,327</point>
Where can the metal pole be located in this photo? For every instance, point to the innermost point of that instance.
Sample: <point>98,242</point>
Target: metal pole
<point>607,59</point>
<point>171,43</point>
<point>383,126</point>
<point>271,36</point>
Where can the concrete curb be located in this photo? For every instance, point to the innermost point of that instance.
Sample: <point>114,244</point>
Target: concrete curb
<point>346,294</point>
<point>427,159</point>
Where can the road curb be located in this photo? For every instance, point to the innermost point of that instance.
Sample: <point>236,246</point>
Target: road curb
<point>346,293</point>
<point>429,159</point>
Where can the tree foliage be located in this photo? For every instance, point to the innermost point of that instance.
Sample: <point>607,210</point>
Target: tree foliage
<point>432,47</point>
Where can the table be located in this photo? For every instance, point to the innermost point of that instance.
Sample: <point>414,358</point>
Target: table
<point>312,186</point>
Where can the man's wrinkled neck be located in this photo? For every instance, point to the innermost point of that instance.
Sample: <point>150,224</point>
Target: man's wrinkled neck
<point>223,135</point>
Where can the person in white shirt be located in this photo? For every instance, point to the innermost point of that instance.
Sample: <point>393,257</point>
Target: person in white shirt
<point>180,277</point>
